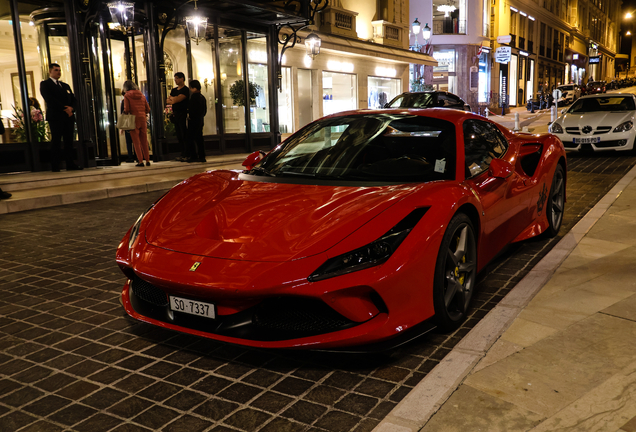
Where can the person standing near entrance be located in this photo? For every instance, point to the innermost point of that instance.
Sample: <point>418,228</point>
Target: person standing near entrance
<point>60,102</point>
<point>197,109</point>
<point>179,96</point>
<point>135,103</point>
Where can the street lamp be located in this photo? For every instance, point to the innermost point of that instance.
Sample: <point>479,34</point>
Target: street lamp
<point>426,34</point>
<point>416,26</point>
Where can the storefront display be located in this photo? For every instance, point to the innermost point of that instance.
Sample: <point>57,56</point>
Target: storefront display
<point>339,92</point>
<point>257,58</point>
<point>513,80</point>
<point>484,77</point>
<point>285,102</point>
<point>233,97</point>
<point>382,90</point>
<point>444,74</point>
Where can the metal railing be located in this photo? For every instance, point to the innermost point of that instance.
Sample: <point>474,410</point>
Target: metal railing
<point>449,26</point>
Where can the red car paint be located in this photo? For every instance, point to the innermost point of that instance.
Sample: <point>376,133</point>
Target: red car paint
<point>259,240</point>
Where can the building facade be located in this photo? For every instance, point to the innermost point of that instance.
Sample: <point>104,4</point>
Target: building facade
<point>552,42</point>
<point>364,60</point>
<point>555,42</point>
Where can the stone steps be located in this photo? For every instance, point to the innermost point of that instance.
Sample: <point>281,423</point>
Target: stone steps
<point>46,189</point>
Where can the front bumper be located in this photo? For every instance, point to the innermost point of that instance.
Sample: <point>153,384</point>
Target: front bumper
<point>272,305</point>
<point>620,141</point>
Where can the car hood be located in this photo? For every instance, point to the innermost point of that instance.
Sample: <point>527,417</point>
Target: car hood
<point>597,118</point>
<point>217,214</point>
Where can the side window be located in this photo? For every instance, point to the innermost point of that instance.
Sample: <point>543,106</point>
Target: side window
<point>454,101</point>
<point>483,142</point>
<point>443,100</point>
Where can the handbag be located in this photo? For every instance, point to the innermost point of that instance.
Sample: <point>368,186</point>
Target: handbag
<point>126,122</point>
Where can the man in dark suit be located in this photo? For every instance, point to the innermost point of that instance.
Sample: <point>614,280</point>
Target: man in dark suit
<point>60,101</point>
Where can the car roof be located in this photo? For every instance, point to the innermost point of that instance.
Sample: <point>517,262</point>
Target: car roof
<point>451,115</point>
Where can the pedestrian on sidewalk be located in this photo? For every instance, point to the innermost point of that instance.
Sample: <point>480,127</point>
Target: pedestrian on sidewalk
<point>197,109</point>
<point>135,103</point>
<point>129,143</point>
<point>60,103</point>
<point>179,96</point>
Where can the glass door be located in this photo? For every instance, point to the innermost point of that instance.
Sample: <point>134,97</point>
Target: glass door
<point>233,85</point>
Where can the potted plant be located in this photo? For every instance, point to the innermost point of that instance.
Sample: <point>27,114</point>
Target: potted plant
<point>237,92</point>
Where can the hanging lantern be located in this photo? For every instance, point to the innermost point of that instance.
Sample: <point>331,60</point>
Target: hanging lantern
<point>122,13</point>
<point>312,45</point>
<point>197,26</point>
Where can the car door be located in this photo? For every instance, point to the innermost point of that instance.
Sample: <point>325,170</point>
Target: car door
<point>504,201</point>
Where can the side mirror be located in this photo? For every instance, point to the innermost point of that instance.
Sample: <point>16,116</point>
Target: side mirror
<point>253,159</point>
<point>500,168</point>
<point>466,107</point>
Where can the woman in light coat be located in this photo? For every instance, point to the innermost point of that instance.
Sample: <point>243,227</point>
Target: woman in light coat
<point>135,103</point>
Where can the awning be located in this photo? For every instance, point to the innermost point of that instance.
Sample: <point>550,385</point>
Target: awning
<point>340,44</point>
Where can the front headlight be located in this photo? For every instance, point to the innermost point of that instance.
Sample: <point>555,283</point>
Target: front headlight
<point>372,254</point>
<point>556,128</point>
<point>134,231</point>
<point>624,127</point>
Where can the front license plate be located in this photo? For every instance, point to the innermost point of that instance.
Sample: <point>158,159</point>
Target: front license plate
<point>591,140</point>
<point>192,307</point>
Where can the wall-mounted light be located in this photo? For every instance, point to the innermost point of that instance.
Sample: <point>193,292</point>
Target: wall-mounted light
<point>123,13</point>
<point>312,45</point>
<point>197,26</point>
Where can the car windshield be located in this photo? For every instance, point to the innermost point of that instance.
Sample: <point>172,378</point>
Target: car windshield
<point>566,87</point>
<point>610,103</point>
<point>367,147</point>
<point>413,100</point>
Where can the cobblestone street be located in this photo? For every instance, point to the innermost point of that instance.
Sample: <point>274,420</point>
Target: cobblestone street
<point>71,359</point>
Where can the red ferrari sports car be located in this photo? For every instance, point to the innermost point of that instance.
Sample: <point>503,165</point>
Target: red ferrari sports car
<point>361,229</point>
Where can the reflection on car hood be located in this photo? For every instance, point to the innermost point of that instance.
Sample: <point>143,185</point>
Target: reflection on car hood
<point>218,215</point>
<point>597,118</point>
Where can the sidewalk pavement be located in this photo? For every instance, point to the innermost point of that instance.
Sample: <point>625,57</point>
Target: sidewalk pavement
<point>559,351</point>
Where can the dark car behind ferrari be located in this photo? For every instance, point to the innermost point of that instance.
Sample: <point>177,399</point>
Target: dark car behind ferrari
<point>429,99</point>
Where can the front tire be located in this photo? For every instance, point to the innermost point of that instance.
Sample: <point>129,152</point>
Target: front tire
<point>455,273</point>
<point>556,202</point>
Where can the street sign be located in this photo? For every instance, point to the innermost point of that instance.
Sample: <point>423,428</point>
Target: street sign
<point>502,54</point>
<point>595,59</point>
<point>504,39</point>
<point>556,94</point>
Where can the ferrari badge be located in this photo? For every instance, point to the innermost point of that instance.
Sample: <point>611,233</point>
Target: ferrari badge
<point>195,266</point>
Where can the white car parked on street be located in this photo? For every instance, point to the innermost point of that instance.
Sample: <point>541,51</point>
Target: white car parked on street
<point>598,122</point>
<point>570,93</point>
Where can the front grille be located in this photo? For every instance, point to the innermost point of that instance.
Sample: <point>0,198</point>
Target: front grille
<point>614,143</point>
<point>573,130</point>
<point>602,130</point>
<point>298,315</point>
<point>148,292</point>
<point>603,144</point>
